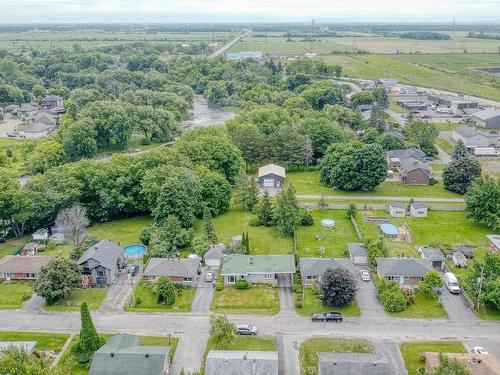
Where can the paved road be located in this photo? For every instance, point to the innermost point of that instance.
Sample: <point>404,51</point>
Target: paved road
<point>456,307</point>
<point>204,295</point>
<point>444,158</point>
<point>390,350</point>
<point>378,198</point>
<point>230,44</point>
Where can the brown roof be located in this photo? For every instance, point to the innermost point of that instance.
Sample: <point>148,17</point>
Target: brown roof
<point>24,264</point>
<point>477,364</point>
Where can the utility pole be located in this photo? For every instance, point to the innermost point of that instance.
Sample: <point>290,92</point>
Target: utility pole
<point>480,287</point>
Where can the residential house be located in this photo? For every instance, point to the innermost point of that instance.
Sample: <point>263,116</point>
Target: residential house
<point>470,137</point>
<point>477,364</point>
<point>487,118</point>
<point>237,362</point>
<point>45,119</point>
<point>332,363</point>
<point>405,271</point>
<point>271,176</point>
<point>258,268</point>
<point>358,253</point>
<point>313,269</point>
<point>466,251</point>
<point>123,355</point>
<point>27,110</point>
<point>14,267</point>
<point>36,130</point>
<point>101,263</point>
<point>434,256</point>
<point>418,209</point>
<point>397,209</point>
<point>415,172</point>
<point>30,249</point>
<point>394,157</point>
<point>183,271</point>
<point>213,256</point>
<point>10,109</point>
<point>459,259</point>
<point>52,101</point>
<point>41,234</point>
<point>494,241</point>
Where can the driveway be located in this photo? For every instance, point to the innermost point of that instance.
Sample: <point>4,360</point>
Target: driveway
<point>368,302</point>
<point>204,295</point>
<point>456,308</point>
<point>491,346</point>
<point>390,350</point>
<point>119,292</point>
<point>189,353</point>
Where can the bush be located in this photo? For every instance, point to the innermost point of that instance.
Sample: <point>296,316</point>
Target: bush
<point>306,219</point>
<point>314,288</point>
<point>138,301</point>
<point>26,296</point>
<point>145,235</point>
<point>145,141</point>
<point>298,300</point>
<point>393,301</point>
<point>409,295</point>
<point>241,284</point>
<point>255,222</point>
<point>432,181</point>
<point>219,286</point>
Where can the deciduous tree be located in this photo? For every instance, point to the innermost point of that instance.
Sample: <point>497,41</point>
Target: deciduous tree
<point>338,287</point>
<point>461,171</point>
<point>57,280</point>
<point>287,211</point>
<point>482,202</point>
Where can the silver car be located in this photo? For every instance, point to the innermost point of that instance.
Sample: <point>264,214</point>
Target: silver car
<point>246,329</point>
<point>209,277</point>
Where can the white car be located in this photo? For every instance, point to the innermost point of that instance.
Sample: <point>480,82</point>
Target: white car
<point>479,350</point>
<point>209,277</point>
<point>365,275</point>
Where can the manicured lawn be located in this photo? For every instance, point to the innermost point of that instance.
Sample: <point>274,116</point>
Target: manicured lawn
<point>144,294</point>
<point>395,107</point>
<point>310,348</point>
<point>263,240</point>
<point>308,183</point>
<point>310,239</point>
<point>447,126</point>
<point>124,232</point>
<point>437,167</point>
<point>258,299</point>
<point>444,145</point>
<point>44,340</point>
<point>11,246</point>
<point>312,304</point>
<point>59,250</point>
<point>423,308</point>
<point>14,294</point>
<point>411,352</point>
<point>93,297</point>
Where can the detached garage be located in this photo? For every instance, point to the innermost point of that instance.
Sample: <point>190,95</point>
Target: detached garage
<point>213,257</point>
<point>271,176</point>
<point>358,253</point>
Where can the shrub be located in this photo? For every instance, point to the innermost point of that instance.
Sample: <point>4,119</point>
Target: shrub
<point>26,296</point>
<point>145,141</point>
<point>241,284</point>
<point>138,300</point>
<point>255,222</point>
<point>219,286</point>
<point>298,300</point>
<point>88,341</point>
<point>393,301</point>
<point>409,295</point>
<point>306,219</point>
<point>314,288</point>
<point>164,291</point>
<point>432,181</point>
<point>145,236</point>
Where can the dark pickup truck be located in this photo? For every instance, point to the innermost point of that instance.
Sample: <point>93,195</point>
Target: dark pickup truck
<point>327,317</point>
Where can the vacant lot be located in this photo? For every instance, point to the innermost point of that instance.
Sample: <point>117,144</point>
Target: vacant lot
<point>14,294</point>
<point>146,300</point>
<point>411,352</point>
<point>258,299</point>
<point>313,304</point>
<point>93,297</point>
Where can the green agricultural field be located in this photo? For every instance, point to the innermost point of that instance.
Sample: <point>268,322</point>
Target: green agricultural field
<point>311,238</point>
<point>44,340</point>
<point>93,297</point>
<point>263,240</point>
<point>312,304</point>
<point>258,299</point>
<point>14,294</point>
<point>411,352</point>
<point>146,300</point>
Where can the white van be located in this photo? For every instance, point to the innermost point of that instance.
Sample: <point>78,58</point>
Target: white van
<point>451,283</point>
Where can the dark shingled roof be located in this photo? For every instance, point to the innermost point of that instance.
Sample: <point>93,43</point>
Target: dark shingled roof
<point>234,362</point>
<point>354,364</point>
<point>409,267</point>
<point>172,267</point>
<point>318,266</point>
<point>357,249</point>
<point>105,252</point>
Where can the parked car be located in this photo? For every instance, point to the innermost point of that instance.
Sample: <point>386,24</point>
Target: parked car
<point>479,350</point>
<point>328,317</point>
<point>246,329</point>
<point>209,277</point>
<point>451,282</point>
<point>133,269</point>
<point>365,275</point>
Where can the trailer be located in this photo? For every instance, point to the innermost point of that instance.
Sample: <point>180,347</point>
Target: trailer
<point>485,151</point>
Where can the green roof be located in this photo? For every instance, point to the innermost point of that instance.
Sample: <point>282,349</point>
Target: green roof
<point>238,264</point>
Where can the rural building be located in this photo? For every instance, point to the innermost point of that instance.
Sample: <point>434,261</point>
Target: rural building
<point>459,259</point>
<point>452,102</point>
<point>418,209</point>
<point>182,271</point>
<point>52,101</point>
<point>44,118</point>
<point>101,263</point>
<point>395,157</point>
<point>415,172</point>
<point>30,249</point>
<point>232,362</point>
<point>494,241</point>
<point>331,363</point>
<point>434,256</point>
<point>466,251</point>
<point>358,253</point>
<point>258,268</point>
<point>463,107</point>
<point>41,234</point>
<point>213,257</point>
<point>236,56</point>
<point>483,364</point>
<point>36,130</point>
<point>397,209</point>
<point>27,110</point>
<point>388,82</point>
<point>470,137</point>
<point>122,355</point>
<point>13,108</point>
<point>412,105</point>
<point>271,176</point>
<point>312,269</point>
<point>487,118</point>
<point>405,271</point>
<point>14,267</point>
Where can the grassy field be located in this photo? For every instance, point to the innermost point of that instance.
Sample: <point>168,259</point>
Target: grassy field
<point>395,107</point>
<point>313,305</point>
<point>310,348</point>
<point>263,240</point>
<point>144,294</point>
<point>14,294</point>
<point>411,352</point>
<point>6,143</point>
<point>258,299</point>
<point>44,340</point>
<point>310,239</point>
<point>124,232</point>
<point>423,308</point>
<point>93,297</point>
<point>445,227</point>
<point>306,183</point>
<point>11,246</point>
<point>444,145</point>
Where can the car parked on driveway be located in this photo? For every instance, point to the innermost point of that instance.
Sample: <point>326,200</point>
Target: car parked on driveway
<point>246,329</point>
<point>209,277</point>
<point>133,269</point>
<point>333,316</point>
<point>365,275</point>
<point>479,350</point>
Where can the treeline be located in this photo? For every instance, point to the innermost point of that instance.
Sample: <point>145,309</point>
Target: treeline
<point>483,35</point>
<point>424,35</point>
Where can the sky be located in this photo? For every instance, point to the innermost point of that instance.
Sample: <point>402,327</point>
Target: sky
<point>233,11</point>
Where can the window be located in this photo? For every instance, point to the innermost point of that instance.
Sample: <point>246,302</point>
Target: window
<point>392,278</point>
<point>188,279</point>
<point>309,277</point>
<point>231,279</point>
<point>269,276</point>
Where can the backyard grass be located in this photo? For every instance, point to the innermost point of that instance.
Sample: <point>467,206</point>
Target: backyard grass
<point>146,300</point>
<point>444,145</point>
<point>263,240</point>
<point>14,294</point>
<point>93,297</point>
<point>447,126</point>
<point>312,304</point>
<point>423,308</point>
<point>310,348</point>
<point>44,340</point>
<point>124,232</point>
<point>306,183</point>
<point>311,238</point>
<point>395,107</point>
<point>258,299</point>
<point>9,247</point>
<point>411,352</point>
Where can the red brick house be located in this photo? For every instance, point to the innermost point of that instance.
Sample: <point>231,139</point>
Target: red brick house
<point>494,242</point>
<point>415,172</point>
<point>14,267</point>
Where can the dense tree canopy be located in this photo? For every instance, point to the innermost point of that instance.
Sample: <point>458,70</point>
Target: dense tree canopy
<point>462,171</point>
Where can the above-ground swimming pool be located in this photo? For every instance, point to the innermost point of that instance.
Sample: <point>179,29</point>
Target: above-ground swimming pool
<point>328,223</point>
<point>389,230</point>
<point>134,251</point>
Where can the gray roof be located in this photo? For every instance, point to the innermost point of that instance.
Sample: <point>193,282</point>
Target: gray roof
<point>354,364</point>
<point>432,254</point>
<point>495,239</point>
<point>234,362</point>
<point>357,249</point>
<point>410,267</point>
<point>318,266</point>
<point>271,169</point>
<point>397,205</point>
<point>52,98</point>
<point>172,267</point>
<point>11,107</point>
<point>24,264</point>
<point>419,205</point>
<point>36,127</point>
<point>411,164</point>
<point>465,131</point>
<point>466,250</point>
<point>406,153</point>
<point>27,346</point>
<point>105,252</point>
<point>459,255</point>
<point>122,355</point>
<point>487,114</point>
<point>239,264</point>
<point>44,118</point>
<point>27,107</point>
<point>215,252</point>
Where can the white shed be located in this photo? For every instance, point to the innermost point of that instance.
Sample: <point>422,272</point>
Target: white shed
<point>397,209</point>
<point>418,209</point>
<point>459,259</point>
